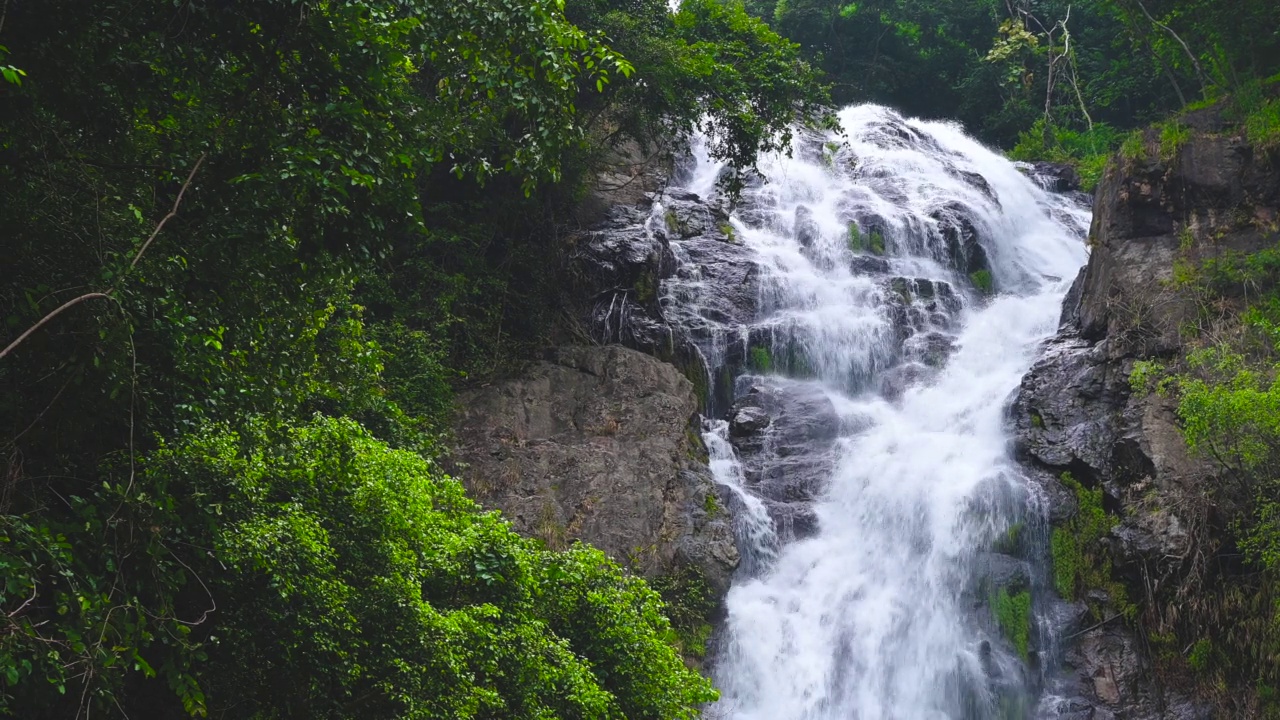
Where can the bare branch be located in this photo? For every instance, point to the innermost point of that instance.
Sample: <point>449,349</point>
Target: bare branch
<point>44,320</point>
<point>177,201</point>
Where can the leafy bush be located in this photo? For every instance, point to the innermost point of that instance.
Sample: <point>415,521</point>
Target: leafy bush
<point>1086,151</point>
<point>311,570</point>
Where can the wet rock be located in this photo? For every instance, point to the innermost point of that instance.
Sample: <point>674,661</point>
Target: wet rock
<point>976,181</point>
<point>805,227</point>
<point>895,381</point>
<point>720,282</point>
<point>1110,677</point>
<point>868,265</point>
<point>598,444</point>
<point>999,571</point>
<point>748,421</point>
<point>1054,177</point>
<point>962,239</point>
<point>688,215</point>
<point>630,176</point>
<point>788,461</point>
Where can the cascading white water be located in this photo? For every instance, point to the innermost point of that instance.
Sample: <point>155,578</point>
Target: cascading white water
<point>867,618</point>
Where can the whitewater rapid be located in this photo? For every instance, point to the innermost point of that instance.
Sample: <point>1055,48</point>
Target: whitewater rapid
<point>868,618</point>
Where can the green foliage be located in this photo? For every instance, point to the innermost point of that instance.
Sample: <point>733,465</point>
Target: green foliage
<point>982,281</point>
<point>361,203</point>
<point>1262,126</point>
<point>709,66</point>
<point>349,580</point>
<point>1146,375</point>
<point>1201,655</point>
<point>1081,560</point>
<point>1134,147</point>
<point>358,568</point>
<point>1087,151</point>
<point>691,605</point>
<point>1173,135</point>
<point>10,73</point>
<point>1013,615</point>
<point>711,505</point>
<point>1228,402</point>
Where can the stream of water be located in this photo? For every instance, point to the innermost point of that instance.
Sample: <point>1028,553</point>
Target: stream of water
<point>869,615</point>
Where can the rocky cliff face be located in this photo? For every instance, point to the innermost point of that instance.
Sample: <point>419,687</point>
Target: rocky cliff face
<point>1180,202</point>
<point>600,444</point>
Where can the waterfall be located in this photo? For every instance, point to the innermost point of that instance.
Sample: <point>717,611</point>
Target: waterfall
<point>903,277</point>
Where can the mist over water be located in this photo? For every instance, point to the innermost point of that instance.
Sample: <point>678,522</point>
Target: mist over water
<point>869,615</point>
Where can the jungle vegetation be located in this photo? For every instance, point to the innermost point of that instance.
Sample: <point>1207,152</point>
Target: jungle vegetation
<point>248,248</point>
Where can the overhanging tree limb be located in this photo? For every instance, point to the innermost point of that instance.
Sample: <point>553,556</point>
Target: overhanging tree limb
<point>1204,79</point>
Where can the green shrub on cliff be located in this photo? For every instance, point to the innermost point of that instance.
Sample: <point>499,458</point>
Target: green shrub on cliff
<point>1081,561</point>
<point>1224,383</point>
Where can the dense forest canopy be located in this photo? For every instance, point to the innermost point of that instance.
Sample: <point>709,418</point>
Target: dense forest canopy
<point>247,248</point>
<point>1064,77</point>
<point>250,246</point>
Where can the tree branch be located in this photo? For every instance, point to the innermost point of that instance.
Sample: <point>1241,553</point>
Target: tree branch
<point>64,306</point>
<point>1204,79</point>
<point>107,294</point>
<point>177,201</point>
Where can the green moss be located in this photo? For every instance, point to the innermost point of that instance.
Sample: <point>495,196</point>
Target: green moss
<point>760,360</point>
<point>696,450</point>
<point>1013,615</point>
<point>672,222</point>
<point>857,243</point>
<point>1081,561</point>
<point>729,233</point>
<point>875,243</point>
<point>1066,562</point>
<point>646,289</point>
<point>983,281</point>
<point>1037,422</point>
<point>1010,542</point>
